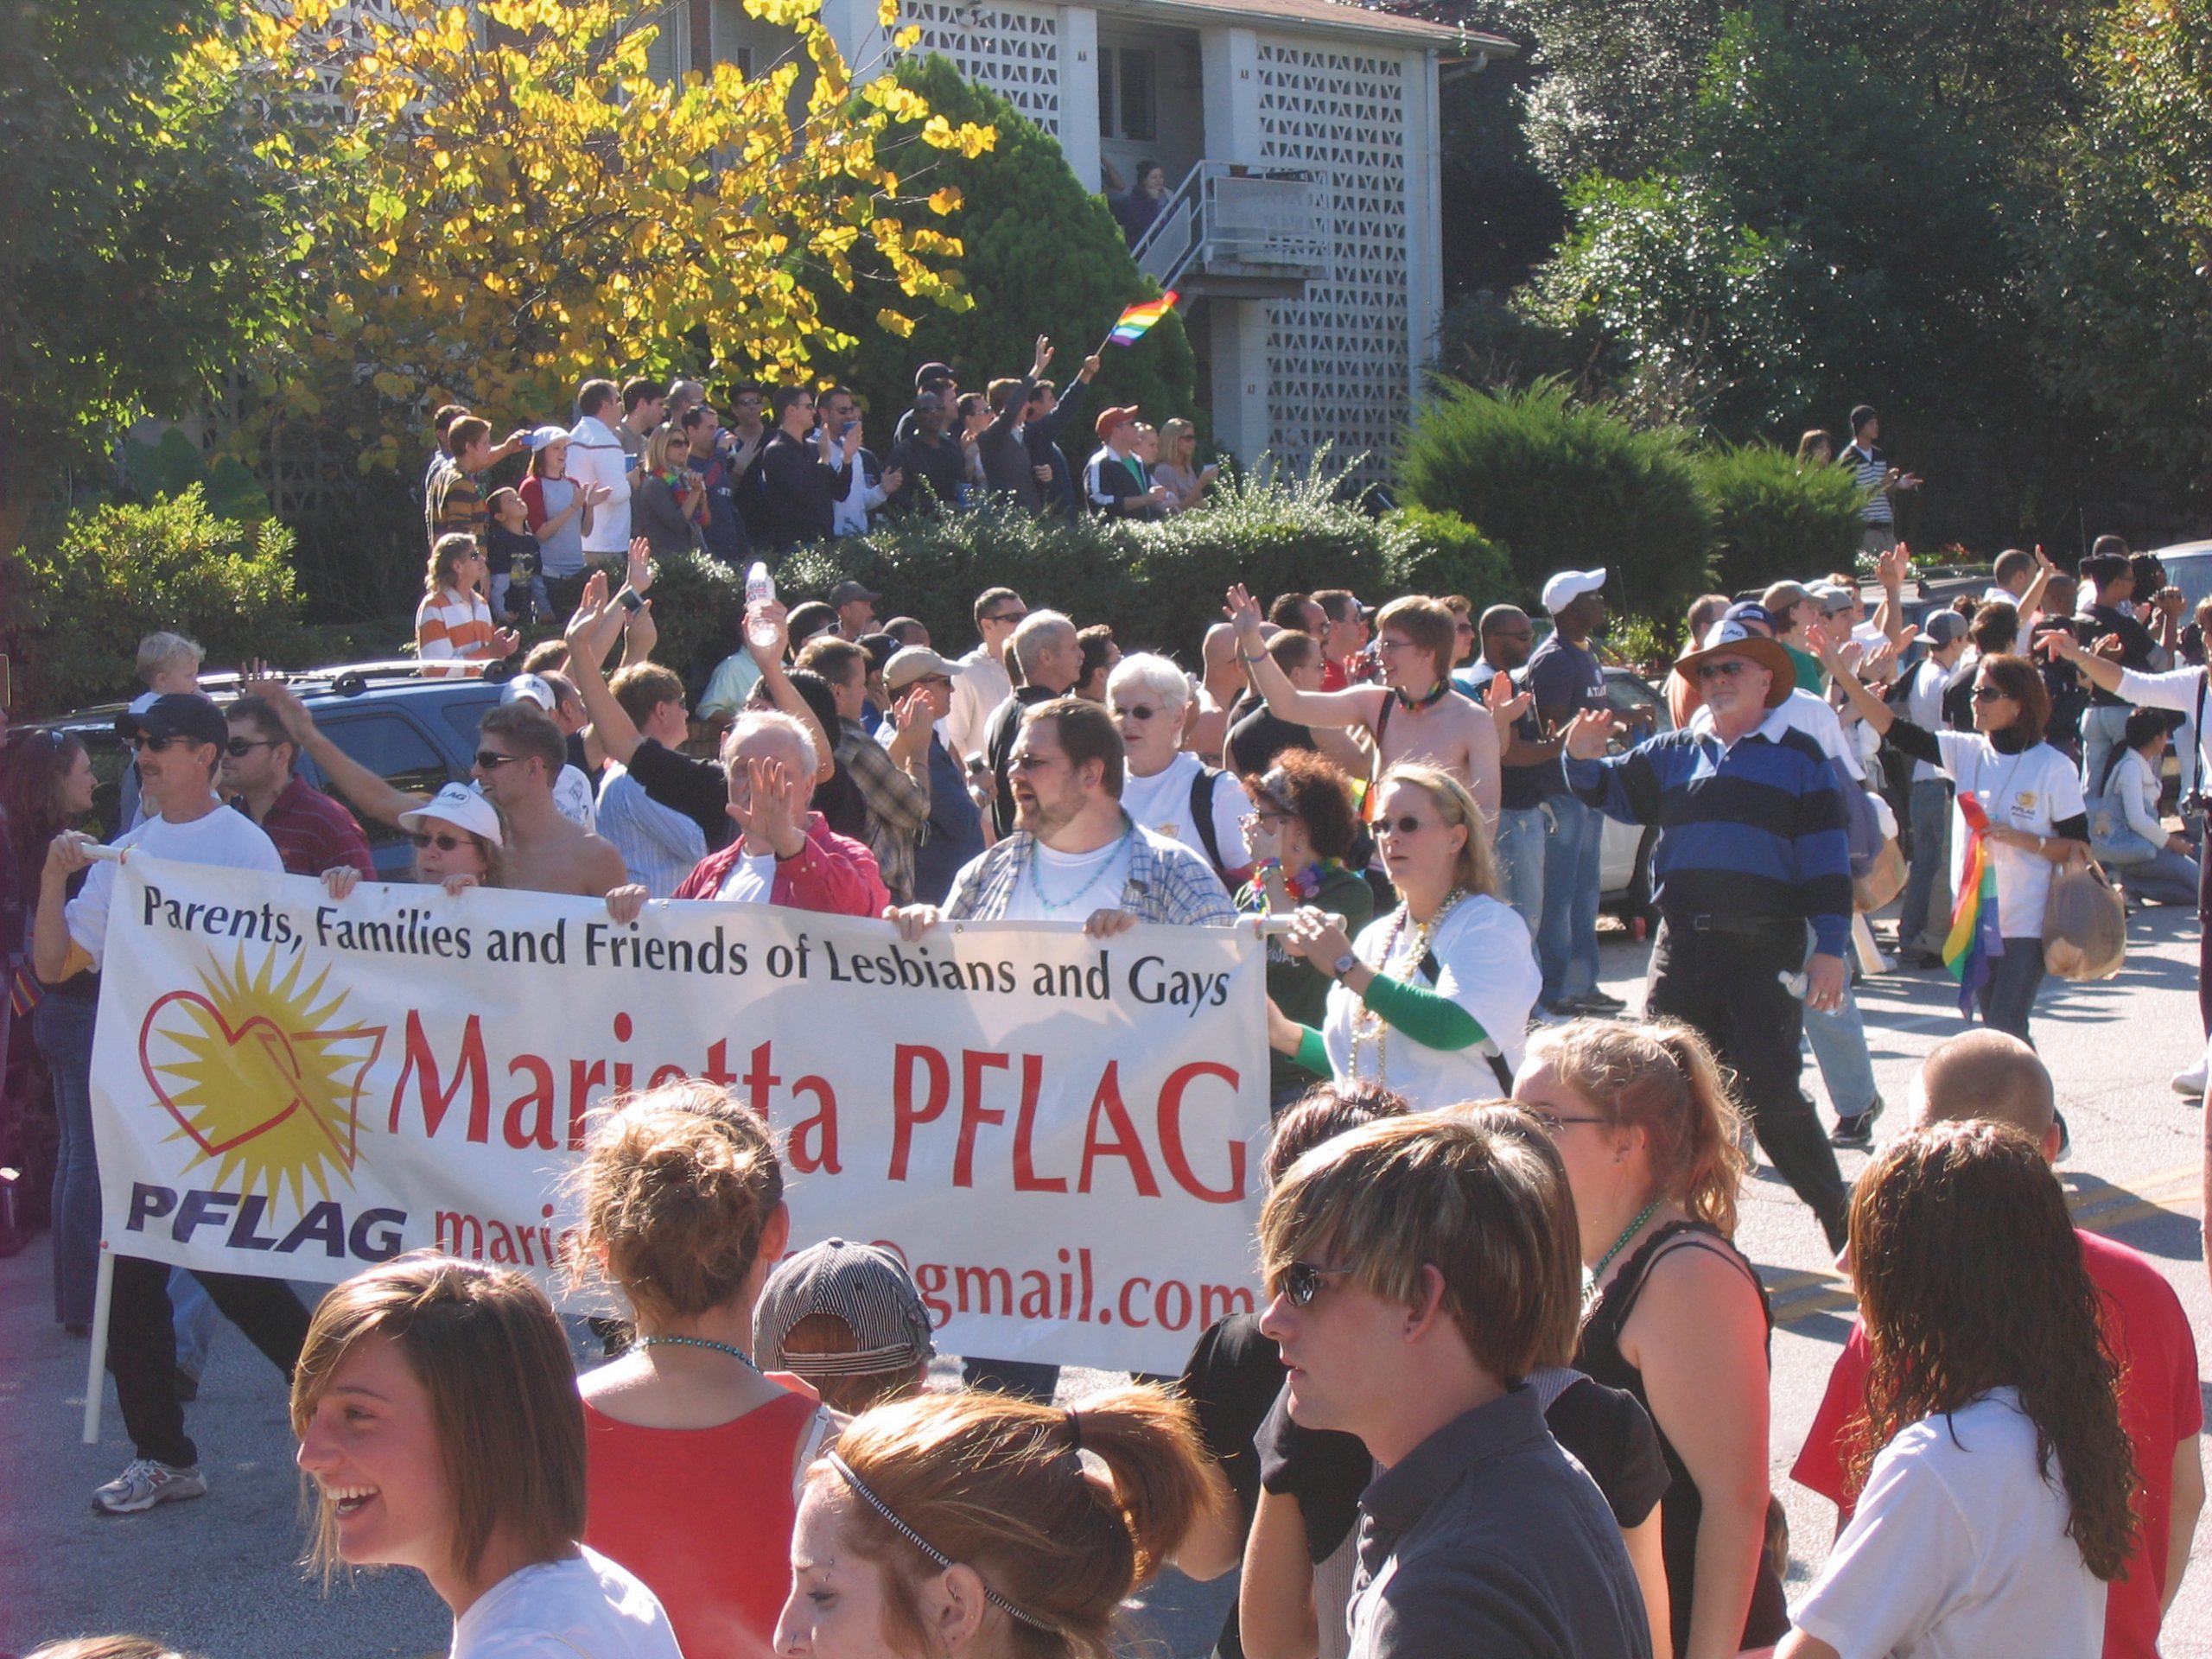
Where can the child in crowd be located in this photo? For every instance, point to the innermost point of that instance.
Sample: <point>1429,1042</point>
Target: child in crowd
<point>511,552</point>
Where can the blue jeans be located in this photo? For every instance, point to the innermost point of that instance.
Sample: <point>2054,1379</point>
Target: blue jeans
<point>2009,993</point>
<point>2101,727</point>
<point>2163,876</point>
<point>1839,1040</point>
<point>1567,939</point>
<point>1523,835</point>
<point>197,1318</point>
<point>63,1027</point>
<point>1924,920</point>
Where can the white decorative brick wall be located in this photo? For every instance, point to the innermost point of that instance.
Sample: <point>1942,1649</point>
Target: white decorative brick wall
<point>1014,50</point>
<point>1338,360</point>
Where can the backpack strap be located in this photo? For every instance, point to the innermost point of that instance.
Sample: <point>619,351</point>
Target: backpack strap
<point>1202,783</point>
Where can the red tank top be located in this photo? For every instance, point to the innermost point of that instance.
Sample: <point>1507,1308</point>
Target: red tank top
<point>704,1516</point>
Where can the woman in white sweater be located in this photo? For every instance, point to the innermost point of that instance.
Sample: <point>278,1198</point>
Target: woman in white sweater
<point>2125,824</point>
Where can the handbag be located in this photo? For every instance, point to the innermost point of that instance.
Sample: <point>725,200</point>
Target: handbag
<point>2084,923</point>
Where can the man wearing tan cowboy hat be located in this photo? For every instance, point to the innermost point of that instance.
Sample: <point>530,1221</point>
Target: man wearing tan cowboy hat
<point>1751,850</point>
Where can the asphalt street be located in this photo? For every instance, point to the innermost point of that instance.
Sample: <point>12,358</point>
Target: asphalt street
<point>219,1577</point>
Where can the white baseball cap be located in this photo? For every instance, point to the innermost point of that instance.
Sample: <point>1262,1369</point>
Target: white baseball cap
<point>460,805</point>
<point>534,687</point>
<point>1563,589</point>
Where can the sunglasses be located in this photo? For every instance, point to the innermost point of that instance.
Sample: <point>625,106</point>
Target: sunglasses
<point>1405,825</point>
<point>142,743</point>
<point>928,679</point>
<point>1007,616</point>
<point>443,844</point>
<point>240,747</point>
<point>1301,1280</point>
<point>492,760</point>
<point>1727,669</point>
<point>1141,711</point>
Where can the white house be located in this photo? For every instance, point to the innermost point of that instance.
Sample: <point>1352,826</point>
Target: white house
<point>1299,139</point>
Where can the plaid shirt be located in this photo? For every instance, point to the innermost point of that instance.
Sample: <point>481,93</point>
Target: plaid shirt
<point>1167,882</point>
<point>898,807</point>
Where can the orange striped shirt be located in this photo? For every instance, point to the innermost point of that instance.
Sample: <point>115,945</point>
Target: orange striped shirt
<point>454,630</point>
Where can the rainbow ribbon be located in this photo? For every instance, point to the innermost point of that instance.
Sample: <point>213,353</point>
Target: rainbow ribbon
<point>1131,325</point>
<point>1974,943</point>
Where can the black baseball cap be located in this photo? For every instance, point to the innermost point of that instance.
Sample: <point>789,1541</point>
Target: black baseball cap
<point>174,714</point>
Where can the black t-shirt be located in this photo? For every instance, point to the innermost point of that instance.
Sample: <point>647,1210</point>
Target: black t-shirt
<point>1259,736</point>
<point>697,789</point>
<point>500,546</point>
<point>1231,1378</point>
<point>1520,789</point>
<point>2136,646</point>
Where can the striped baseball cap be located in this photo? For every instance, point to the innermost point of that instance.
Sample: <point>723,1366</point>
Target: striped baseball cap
<point>863,1285</point>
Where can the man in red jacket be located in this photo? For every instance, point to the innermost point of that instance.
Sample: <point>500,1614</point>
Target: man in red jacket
<point>1987,1074</point>
<point>786,855</point>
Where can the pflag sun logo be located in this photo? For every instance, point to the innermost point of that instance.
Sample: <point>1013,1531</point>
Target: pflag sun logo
<point>262,1076</point>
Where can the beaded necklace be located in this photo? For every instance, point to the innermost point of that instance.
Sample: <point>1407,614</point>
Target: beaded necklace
<point>734,1351</point>
<point>1590,1279</point>
<point>1369,1027</point>
<point>1036,882</point>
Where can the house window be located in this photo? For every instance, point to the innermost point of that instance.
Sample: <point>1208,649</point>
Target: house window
<point>668,55</point>
<point>1128,92</point>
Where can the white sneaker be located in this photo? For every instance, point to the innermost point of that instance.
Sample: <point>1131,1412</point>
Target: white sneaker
<point>145,1484</point>
<point>2191,1081</point>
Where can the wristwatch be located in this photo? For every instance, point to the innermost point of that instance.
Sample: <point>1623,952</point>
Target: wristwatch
<point>1343,965</point>
<point>630,602</point>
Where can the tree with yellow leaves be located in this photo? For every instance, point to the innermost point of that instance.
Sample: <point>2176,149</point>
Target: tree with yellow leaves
<point>507,203</point>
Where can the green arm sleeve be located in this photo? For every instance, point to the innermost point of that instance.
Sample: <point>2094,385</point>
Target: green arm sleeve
<point>1426,1016</point>
<point>1313,1053</point>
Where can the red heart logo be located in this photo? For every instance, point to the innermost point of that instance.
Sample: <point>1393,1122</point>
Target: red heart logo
<point>269,1074</point>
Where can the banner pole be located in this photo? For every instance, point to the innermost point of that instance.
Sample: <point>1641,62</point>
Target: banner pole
<point>96,1363</point>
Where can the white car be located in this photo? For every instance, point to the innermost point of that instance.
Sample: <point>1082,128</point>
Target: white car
<point>1624,851</point>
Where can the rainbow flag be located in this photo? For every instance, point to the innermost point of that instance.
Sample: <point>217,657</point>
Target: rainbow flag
<point>1974,941</point>
<point>1130,326</point>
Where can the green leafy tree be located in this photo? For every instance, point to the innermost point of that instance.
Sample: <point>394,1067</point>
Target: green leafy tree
<point>142,248</point>
<point>1041,254</point>
<point>1566,486</point>
<point>1773,520</point>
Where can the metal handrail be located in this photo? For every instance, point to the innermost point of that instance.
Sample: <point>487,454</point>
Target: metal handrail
<point>1221,210</point>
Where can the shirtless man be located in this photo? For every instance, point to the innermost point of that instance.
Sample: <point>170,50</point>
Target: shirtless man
<point>1413,715</point>
<point>519,753</point>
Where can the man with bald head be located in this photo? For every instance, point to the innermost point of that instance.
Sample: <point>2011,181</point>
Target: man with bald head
<point>1993,1076</point>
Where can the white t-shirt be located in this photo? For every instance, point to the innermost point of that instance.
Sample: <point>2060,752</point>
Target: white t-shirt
<point>1924,707</point>
<point>583,1608</point>
<point>1959,1550</point>
<point>225,837</point>
<point>2030,790</point>
<point>751,880</point>
<point>1078,883</point>
<point>574,800</point>
<point>981,684</point>
<point>1161,804</point>
<point>1487,964</point>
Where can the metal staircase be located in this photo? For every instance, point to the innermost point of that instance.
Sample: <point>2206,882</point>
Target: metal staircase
<point>1233,232</point>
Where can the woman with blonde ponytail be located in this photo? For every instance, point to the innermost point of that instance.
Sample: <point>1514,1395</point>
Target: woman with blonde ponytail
<point>984,1525</point>
<point>1672,1312</point>
<point>694,1455</point>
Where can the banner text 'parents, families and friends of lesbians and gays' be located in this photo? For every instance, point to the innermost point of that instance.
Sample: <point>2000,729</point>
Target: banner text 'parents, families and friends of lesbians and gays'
<point>1060,1136</point>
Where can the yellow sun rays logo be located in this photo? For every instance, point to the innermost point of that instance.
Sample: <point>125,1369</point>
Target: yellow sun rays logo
<point>261,1077</point>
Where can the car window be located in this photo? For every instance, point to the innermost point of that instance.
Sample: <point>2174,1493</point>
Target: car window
<point>462,713</point>
<point>1641,709</point>
<point>390,747</point>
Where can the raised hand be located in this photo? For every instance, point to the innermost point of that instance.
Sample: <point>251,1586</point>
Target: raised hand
<point>1588,733</point>
<point>893,481</point>
<point>641,572</point>
<point>1505,704</point>
<point>504,643</point>
<point>298,724</point>
<point>591,631</point>
<point>767,632</point>
<point>644,633</point>
<point>774,817</point>
<point>1091,365</point>
<point>1044,357</point>
<point>1242,612</point>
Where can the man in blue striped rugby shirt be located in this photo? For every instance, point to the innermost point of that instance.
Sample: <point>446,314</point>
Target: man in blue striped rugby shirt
<point>1751,849</point>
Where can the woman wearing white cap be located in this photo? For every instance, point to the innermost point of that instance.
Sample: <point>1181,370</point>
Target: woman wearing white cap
<point>458,843</point>
<point>560,508</point>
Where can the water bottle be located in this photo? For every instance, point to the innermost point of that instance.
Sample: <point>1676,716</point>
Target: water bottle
<point>759,589</point>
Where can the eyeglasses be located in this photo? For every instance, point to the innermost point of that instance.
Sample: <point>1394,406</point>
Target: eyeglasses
<point>443,844</point>
<point>238,746</point>
<point>1991,694</point>
<point>492,760</point>
<point>1727,668</point>
<point>1301,1280</point>
<point>1406,825</point>
<point>1139,711</point>
<point>1386,643</point>
<point>1553,1123</point>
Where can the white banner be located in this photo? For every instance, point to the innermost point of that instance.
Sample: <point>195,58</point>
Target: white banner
<point>1060,1136</point>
